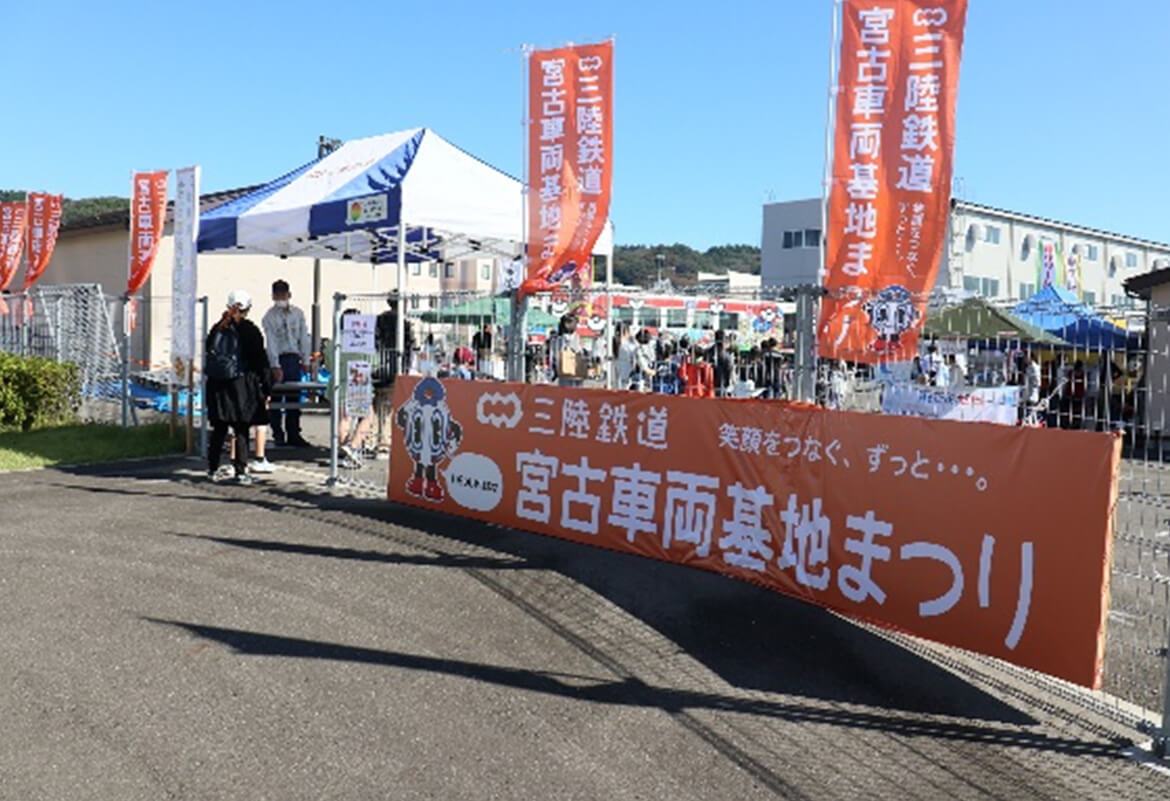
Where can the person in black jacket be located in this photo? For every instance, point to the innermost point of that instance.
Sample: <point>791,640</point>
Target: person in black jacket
<point>236,367</point>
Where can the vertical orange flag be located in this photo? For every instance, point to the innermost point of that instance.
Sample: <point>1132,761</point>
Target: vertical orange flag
<point>892,159</point>
<point>148,208</point>
<point>13,217</point>
<point>44,221</point>
<point>570,161</point>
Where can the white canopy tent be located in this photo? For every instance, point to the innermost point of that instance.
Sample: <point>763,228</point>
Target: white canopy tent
<point>359,201</point>
<point>404,196</point>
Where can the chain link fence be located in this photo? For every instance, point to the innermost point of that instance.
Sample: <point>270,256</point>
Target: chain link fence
<point>1054,363</point>
<point>1051,362</point>
<point>81,324</point>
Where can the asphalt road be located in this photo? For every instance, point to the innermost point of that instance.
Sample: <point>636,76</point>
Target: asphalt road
<point>167,638</point>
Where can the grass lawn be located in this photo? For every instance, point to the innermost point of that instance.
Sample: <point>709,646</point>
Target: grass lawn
<point>76,444</point>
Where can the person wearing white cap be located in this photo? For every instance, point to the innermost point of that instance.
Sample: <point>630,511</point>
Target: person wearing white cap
<point>236,368</point>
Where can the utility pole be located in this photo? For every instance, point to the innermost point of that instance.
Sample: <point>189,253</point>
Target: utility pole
<point>325,146</point>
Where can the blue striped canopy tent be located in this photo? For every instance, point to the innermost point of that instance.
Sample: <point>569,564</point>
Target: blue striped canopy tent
<point>368,196</point>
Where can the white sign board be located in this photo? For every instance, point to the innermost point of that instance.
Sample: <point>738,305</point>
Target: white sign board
<point>362,210</point>
<point>359,392</point>
<point>988,405</point>
<point>357,333</point>
<point>185,275</point>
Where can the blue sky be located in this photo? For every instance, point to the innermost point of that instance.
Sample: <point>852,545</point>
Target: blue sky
<point>1063,104</point>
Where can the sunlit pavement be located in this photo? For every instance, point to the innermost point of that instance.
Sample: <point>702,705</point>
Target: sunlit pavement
<point>168,637</point>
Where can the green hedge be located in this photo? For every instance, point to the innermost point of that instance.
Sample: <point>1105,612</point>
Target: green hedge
<point>36,392</point>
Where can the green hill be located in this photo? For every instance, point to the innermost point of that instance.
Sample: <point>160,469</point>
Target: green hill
<point>636,264</point>
<point>75,209</point>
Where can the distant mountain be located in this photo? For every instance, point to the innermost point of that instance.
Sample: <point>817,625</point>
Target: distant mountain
<point>636,264</point>
<point>75,209</point>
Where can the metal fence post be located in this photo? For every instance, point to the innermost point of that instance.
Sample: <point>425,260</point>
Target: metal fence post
<point>125,361</point>
<point>806,334</point>
<point>518,337</point>
<point>1162,737</point>
<point>202,384</point>
<point>335,385</point>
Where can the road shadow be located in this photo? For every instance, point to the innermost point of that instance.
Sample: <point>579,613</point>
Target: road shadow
<point>752,638</point>
<point>355,555</point>
<point>633,692</point>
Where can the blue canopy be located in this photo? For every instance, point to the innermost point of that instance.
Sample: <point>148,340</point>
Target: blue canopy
<point>1060,312</point>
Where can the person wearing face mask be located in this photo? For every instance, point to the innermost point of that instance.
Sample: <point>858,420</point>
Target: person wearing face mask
<point>287,338</point>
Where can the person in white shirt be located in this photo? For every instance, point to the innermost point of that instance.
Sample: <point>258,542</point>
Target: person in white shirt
<point>623,365</point>
<point>955,373</point>
<point>1031,393</point>
<point>286,337</point>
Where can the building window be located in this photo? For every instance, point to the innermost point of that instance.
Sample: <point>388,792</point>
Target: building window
<point>990,287</point>
<point>1090,252</point>
<point>433,270</point>
<point>970,283</point>
<point>991,234</point>
<point>676,318</point>
<point>1130,260</point>
<point>414,300</point>
<point>787,240</point>
<point>1089,298</point>
<point>416,269</point>
<point>1027,291</point>
<point>485,271</point>
<point>449,270</point>
<point>812,237</point>
<point>798,239</point>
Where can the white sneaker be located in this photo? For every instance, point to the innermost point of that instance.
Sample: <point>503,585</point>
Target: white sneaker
<point>261,466</point>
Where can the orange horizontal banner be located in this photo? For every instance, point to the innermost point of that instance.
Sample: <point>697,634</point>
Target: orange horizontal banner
<point>963,533</point>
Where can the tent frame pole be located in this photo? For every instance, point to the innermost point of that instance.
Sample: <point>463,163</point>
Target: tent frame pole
<point>400,319</point>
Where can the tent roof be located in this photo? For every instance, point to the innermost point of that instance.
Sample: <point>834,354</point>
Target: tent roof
<point>1052,308</point>
<point>483,310</point>
<point>975,318</point>
<point>1060,312</point>
<point>351,203</point>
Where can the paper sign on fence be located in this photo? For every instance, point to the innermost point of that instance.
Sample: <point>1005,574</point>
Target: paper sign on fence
<point>359,392</point>
<point>357,333</point>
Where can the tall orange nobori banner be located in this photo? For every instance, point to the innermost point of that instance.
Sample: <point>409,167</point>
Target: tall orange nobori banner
<point>570,161</point>
<point>148,208</point>
<point>13,219</point>
<point>44,221</point>
<point>892,158</point>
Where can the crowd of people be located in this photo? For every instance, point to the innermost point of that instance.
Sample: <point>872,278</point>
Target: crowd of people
<point>245,362</point>
<point>661,362</point>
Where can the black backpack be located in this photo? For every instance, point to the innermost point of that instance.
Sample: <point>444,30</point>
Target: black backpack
<point>223,355</point>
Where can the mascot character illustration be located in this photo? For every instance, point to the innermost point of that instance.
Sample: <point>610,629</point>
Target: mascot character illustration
<point>431,437</point>
<point>765,320</point>
<point>891,313</point>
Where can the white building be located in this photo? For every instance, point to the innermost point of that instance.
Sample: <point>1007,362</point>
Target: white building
<point>730,281</point>
<point>991,252</point>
